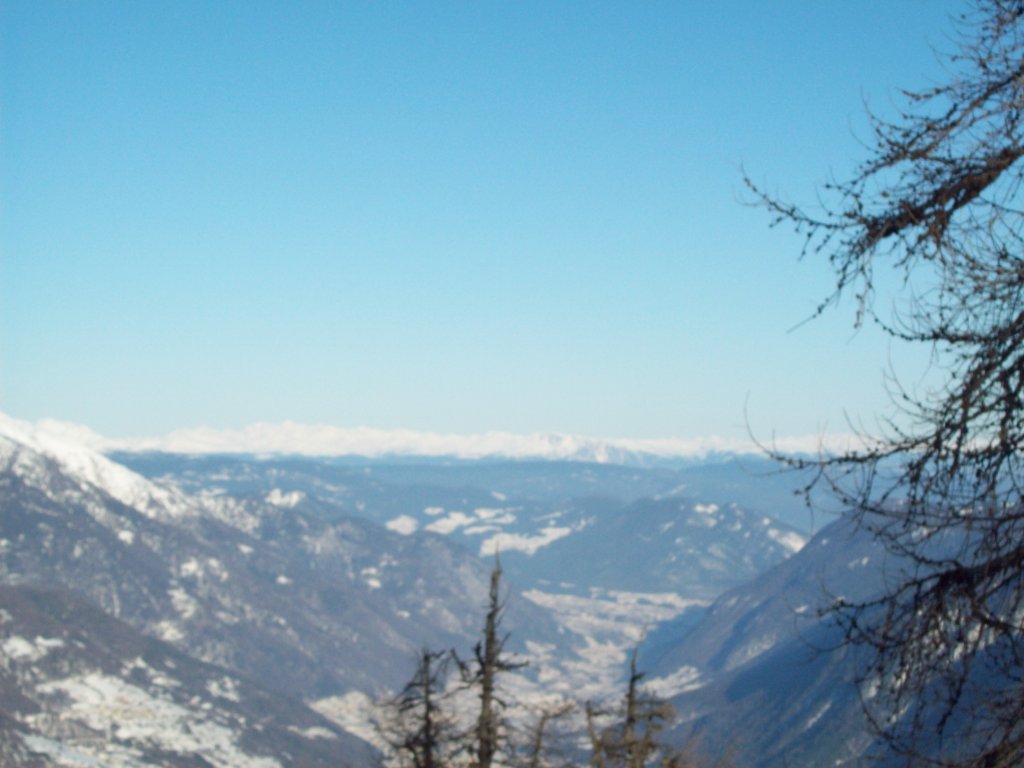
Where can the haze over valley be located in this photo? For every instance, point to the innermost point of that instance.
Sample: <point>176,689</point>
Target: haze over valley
<point>524,385</point>
<point>159,582</point>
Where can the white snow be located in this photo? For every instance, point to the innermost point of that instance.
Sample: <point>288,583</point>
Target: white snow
<point>453,521</point>
<point>791,540</point>
<point>480,530</point>
<point>504,542</point>
<point>225,688</point>
<point>611,623</point>
<point>403,524</point>
<point>817,715</point>
<point>751,650</point>
<point>495,515</point>
<point>70,447</point>
<point>183,602</point>
<point>354,712</point>
<point>20,649</point>
<point>314,732</point>
<point>371,577</point>
<point>280,499</point>
<point>133,718</point>
<point>684,679</point>
<point>168,631</point>
<point>196,569</point>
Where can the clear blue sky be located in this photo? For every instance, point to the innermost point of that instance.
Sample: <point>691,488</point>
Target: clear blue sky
<point>445,216</point>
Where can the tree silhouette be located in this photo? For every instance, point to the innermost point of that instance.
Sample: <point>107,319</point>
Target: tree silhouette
<point>420,730</point>
<point>481,673</point>
<point>939,200</point>
<point>631,739</point>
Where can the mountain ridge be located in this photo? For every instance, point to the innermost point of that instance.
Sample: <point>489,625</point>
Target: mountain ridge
<point>320,440</point>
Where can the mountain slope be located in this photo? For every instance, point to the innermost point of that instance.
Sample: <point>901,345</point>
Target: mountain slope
<point>672,544</point>
<point>761,674</point>
<point>80,688</point>
<point>588,525</point>
<point>310,607</point>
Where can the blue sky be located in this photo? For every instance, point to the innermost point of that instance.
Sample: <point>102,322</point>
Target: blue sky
<point>441,216</point>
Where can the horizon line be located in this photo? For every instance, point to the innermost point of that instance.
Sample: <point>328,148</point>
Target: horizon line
<point>292,438</point>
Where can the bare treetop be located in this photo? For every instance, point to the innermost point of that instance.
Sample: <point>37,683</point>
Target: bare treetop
<point>939,200</point>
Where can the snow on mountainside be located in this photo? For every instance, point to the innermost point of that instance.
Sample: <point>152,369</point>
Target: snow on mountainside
<point>611,550</point>
<point>80,688</point>
<point>319,578</point>
<point>78,460</point>
<point>559,525</point>
<point>308,607</point>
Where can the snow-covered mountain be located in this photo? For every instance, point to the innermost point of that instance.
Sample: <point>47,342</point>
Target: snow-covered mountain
<point>318,578</point>
<point>613,550</point>
<point>310,608</point>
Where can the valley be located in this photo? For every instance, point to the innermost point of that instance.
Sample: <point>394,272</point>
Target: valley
<point>315,582</point>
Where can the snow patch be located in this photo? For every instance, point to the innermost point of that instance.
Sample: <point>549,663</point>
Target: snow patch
<point>314,732</point>
<point>183,602</point>
<point>452,522</point>
<point>490,513</point>
<point>751,650</point>
<point>355,712</point>
<point>169,632</point>
<point>683,679</point>
<point>403,524</point>
<point>22,650</point>
<point>370,576</point>
<point>225,688</point>
<point>505,542</point>
<point>288,500</point>
<point>791,540</point>
<point>817,715</point>
<point>133,718</point>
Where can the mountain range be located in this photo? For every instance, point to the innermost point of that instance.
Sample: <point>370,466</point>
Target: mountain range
<point>319,441</point>
<point>313,581</point>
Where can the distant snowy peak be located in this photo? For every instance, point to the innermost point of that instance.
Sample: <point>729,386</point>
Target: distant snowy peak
<point>321,440</point>
<point>24,447</point>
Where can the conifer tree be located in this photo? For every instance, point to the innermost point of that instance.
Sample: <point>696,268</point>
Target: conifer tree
<point>481,674</point>
<point>420,730</point>
<point>630,742</point>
